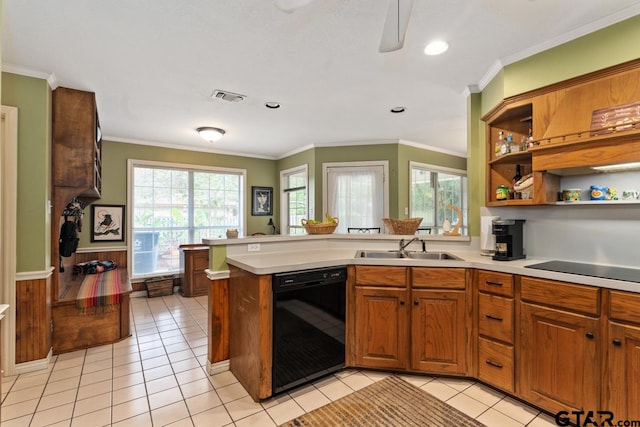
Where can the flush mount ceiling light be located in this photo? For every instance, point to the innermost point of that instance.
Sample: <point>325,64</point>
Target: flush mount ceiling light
<point>210,134</point>
<point>397,110</point>
<point>272,105</point>
<point>436,47</point>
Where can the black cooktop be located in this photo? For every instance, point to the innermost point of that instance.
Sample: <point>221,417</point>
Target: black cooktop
<point>593,270</point>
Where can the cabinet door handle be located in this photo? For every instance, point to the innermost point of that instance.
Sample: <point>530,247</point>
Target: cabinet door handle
<point>416,302</point>
<point>589,335</point>
<point>491,283</point>
<point>616,342</point>
<point>401,302</point>
<point>494,364</point>
<point>491,317</point>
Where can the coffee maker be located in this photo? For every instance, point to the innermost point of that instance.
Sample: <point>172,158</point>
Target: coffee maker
<point>509,239</point>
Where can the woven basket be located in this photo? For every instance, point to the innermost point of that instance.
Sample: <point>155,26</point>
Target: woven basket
<point>159,286</point>
<point>402,226</point>
<point>322,228</point>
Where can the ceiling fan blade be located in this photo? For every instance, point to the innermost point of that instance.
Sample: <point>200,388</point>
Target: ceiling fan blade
<point>291,5</point>
<point>395,25</point>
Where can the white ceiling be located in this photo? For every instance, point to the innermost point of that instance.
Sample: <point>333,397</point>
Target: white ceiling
<point>154,64</point>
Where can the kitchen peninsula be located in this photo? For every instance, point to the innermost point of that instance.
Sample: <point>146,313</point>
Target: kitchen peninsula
<point>507,318</point>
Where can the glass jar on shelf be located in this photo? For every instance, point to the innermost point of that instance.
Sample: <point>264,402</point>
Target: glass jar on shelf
<point>505,146</point>
<point>498,146</point>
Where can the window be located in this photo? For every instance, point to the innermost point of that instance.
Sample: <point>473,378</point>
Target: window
<point>176,204</point>
<point>356,193</point>
<point>294,199</point>
<point>432,188</point>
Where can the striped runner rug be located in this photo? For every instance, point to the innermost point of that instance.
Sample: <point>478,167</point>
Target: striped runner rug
<point>100,290</point>
<point>388,402</point>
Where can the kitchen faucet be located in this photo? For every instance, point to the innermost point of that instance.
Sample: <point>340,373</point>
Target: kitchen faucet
<point>403,246</point>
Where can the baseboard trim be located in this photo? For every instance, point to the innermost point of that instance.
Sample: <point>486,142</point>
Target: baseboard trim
<point>218,367</point>
<point>34,365</point>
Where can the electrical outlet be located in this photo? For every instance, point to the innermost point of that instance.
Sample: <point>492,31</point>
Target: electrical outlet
<point>253,247</point>
<point>406,211</point>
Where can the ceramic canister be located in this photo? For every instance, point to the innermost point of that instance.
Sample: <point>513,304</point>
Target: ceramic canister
<point>598,192</point>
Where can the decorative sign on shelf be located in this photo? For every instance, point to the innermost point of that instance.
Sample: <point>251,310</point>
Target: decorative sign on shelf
<point>615,119</point>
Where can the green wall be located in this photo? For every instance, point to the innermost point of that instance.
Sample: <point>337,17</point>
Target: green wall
<point>260,172</point>
<point>32,97</point>
<point>604,48</point>
<point>398,155</point>
<point>357,153</point>
<point>475,169</point>
<point>306,157</point>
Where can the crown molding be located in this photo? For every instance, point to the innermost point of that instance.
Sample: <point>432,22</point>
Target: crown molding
<point>23,71</point>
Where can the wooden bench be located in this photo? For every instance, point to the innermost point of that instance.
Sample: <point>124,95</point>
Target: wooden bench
<point>76,328</point>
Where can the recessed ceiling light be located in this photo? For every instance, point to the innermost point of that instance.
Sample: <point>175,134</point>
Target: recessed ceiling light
<point>397,110</point>
<point>436,47</point>
<point>272,105</point>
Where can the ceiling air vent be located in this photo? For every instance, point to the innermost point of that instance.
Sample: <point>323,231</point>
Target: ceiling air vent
<point>227,96</point>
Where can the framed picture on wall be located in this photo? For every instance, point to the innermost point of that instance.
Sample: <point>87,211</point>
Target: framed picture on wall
<point>107,223</point>
<point>261,200</point>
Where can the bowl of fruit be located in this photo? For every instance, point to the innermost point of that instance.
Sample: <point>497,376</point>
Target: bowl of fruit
<point>327,226</point>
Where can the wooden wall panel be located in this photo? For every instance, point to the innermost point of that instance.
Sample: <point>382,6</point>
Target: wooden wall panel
<point>33,319</point>
<point>119,257</point>
<point>218,320</point>
<point>250,311</point>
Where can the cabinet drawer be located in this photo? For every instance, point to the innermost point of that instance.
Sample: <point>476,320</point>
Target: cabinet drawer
<point>443,278</point>
<point>201,260</point>
<point>624,306</point>
<point>567,296</point>
<point>381,276</point>
<point>495,283</point>
<point>496,317</point>
<point>495,364</point>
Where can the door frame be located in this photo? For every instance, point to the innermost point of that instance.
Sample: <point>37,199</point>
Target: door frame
<point>8,220</point>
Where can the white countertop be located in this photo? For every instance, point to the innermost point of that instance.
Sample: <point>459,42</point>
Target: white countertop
<point>301,259</point>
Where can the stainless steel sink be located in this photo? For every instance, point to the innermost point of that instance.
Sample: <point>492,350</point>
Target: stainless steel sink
<point>379,254</point>
<point>408,255</point>
<point>433,255</point>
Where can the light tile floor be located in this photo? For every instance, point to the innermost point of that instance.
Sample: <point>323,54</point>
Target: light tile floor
<point>158,377</point>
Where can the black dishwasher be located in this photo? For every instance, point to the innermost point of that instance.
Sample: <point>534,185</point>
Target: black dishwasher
<point>308,325</point>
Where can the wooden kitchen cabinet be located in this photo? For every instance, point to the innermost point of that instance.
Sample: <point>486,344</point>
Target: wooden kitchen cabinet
<point>440,320</point>
<point>194,260</point>
<point>381,317</point>
<point>381,322</point>
<point>621,387</point>
<point>76,142</point>
<point>496,329</point>
<point>567,139</point>
<point>438,331</point>
<point>422,325</point>
<point>559,350</point>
